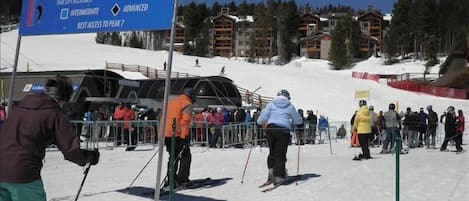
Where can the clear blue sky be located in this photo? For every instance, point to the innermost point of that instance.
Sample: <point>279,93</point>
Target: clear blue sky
<point>384,5</point>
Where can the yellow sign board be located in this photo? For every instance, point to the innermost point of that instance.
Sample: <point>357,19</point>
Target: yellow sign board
<point>362,94</point>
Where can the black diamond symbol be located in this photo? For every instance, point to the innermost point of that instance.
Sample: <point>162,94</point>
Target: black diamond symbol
<point>115,9</point>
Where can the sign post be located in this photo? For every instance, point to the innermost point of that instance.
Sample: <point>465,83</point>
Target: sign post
<point>167,88</point>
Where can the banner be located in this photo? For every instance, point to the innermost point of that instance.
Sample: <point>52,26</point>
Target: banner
<point>362,94</point>
<point>42,17</point>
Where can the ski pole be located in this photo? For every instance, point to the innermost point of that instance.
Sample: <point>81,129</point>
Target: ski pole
<point>246,165</point>
<point>88,166</point>
<point>138,175</point>
<point>298,161</point>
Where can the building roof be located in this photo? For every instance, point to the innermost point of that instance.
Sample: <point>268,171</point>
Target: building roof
<point>315,36</point>
<point>370,13</point>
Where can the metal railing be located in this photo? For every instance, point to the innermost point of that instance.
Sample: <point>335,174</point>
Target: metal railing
<point>199,133</point>
<point>110,134</point>
<point>149,72</point>
<point>254,99</point>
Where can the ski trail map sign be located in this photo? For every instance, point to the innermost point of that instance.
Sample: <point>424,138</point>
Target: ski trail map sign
<point>43,17</point>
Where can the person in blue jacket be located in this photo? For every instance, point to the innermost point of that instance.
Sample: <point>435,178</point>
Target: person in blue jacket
<point>278,115</point>
<point>323,124</point>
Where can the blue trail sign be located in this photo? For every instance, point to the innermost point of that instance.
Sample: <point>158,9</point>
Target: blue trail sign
<point>41,17</point>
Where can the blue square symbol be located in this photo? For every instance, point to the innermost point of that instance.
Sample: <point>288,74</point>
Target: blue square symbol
<point>64,14</point>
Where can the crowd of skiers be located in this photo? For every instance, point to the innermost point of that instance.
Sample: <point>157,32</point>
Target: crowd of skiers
<point>28,132</point>
<point>207,127</point>
<point>415,129</point>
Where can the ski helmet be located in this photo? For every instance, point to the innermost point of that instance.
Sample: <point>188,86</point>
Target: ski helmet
<point>189,92</point>
<point>371,107</point>
<point>300,111</point>
<point>284,92</point>
<point>392,106</point>
<point>450,108</point>
<point>362,103</point>
<point>429,108</point>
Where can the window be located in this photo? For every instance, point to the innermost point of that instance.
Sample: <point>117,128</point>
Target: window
<point>232,91</point>
<point>177,85</point>
<point>365,26</point>
<point>204,89</point>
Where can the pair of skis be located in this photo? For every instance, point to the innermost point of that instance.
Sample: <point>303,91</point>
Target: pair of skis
<point>198,183</point>
<point>268,186</point>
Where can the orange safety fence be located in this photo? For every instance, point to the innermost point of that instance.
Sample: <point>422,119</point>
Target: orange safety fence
<point>365,75</point>
<point>436,91</point>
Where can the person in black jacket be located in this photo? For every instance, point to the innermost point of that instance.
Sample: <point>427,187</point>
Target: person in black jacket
<point>300,129</point>
<point>451,124</point>
<point>431,129</point>
<point>311,122</point>
<point>411,127</point>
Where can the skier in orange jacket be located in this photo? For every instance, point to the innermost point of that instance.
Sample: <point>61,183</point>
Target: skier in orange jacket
<point>180,108</point>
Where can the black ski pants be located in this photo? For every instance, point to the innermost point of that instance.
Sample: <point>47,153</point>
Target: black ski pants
<point>183,158</point>
<point>278,139</point>
<point>364,141</point>
<point>456,137</point>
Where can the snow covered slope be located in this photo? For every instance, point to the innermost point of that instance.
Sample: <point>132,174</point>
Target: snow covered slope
<point>310,82</point>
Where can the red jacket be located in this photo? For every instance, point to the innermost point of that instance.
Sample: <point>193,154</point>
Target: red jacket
<point>460,128</point>
<point>35,123</point>
<point>124,114</point>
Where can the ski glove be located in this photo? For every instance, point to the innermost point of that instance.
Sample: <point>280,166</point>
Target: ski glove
<point>92,156</point>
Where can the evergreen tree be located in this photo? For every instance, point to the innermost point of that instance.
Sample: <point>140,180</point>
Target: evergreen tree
<point>116,39</point>
<point>101,37</point>
<point>215,9</point>
<point>135,41</point>
<point>243,9</point>
<point>401,25</point>
<point>288,22</point>
<point>232,6</point>
<point>338,52</point>
<point>390,47</point>
<point>353,36</point>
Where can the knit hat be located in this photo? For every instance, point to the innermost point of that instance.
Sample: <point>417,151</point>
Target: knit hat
<point>60,88</point>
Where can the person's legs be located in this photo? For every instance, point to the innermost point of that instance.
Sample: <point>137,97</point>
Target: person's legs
<point>314,133</point>
<point>33,191</point>
<point>271,142</point>
<point>363,139</point>
<point>458,141</point>
<point>177,150</point>
<point>5,194</point>
<point>183,172</point>
<point>387,139</point>
<point>280,154</point>
<point>445,141</point>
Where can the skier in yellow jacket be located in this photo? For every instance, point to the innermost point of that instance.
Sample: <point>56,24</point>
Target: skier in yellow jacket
<point>362,125</point>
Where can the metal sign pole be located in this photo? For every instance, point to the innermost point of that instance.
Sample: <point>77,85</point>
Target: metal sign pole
<point>167,88</point>
<point>13,75</point>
